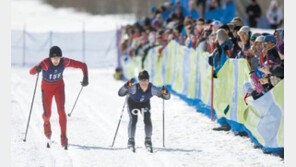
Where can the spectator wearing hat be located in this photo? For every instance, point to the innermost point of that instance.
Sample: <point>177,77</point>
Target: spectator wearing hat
<point>279,35</point>
<point>253,38</point>
<point>254,13</point>
<point>255,51</point>
<point>216,25</point>
<point>256,48</point>
<point>275,73</point>
<point>244,34</point>
<point>157,22</point>
<point>237,21</point>
<point>220,57</point>
<point>269,49</point>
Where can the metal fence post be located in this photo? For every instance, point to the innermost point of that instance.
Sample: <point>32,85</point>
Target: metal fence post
<point>50,39</point>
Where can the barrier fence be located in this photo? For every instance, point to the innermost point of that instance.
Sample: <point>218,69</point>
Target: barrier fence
<point>187,74</point>
<point>97,49</point>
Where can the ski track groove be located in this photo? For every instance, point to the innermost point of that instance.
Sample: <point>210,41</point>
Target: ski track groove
<point>54,153</point>
<point>91,130</point>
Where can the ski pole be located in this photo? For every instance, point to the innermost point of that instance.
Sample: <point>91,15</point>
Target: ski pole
<point>31,108</point>
<point>75,102</point>
<point>163,124</point>
<point>118,123</point>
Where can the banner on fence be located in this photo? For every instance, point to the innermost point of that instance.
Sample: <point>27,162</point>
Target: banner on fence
<point>187,74</point>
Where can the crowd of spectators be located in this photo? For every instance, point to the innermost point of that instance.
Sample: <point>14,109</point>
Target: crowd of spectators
<point>223,38</point>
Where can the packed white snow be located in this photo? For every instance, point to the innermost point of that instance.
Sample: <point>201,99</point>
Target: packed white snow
<point>40,17</point>
<point>190,140</point>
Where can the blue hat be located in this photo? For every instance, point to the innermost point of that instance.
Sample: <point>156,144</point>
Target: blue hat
<point>270,38</point>
<point>153,8</point>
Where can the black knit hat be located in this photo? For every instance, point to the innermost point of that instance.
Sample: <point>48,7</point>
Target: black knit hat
<point>143,75</point>
<point>55,51</point>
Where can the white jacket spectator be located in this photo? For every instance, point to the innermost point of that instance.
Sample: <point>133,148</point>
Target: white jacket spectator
<point>274,14</point>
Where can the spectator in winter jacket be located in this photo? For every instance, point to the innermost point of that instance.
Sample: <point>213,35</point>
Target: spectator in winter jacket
<point>275,73</point>
<point>199,27</point>
<point>237,21</point>
<point>214,12</point>
<point>53,86</point>
<point>279,35</point>
<point>179,11</point>
<point>192,12</point>
<point>254,13</point>
<point>158,22</point>
<point>232,38</point>
<point>220,56</point>
<point>244,34</point>
<point>253,38</point>
<point>228,12</point>
<point>235,40</point>
<point>209,44</point>
<point>205,37</point>
<point>269,49</point>
<point>166,11</point>
<point>274,14</point>
<point>256,50</point>
<point>216,25</point>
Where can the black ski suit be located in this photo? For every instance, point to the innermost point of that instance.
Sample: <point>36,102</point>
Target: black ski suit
<point>140,101</point>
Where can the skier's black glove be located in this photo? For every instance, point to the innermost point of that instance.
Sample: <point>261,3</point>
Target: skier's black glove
<point>38,68</point>
<point>215,75</point>
<point>164,90</point>
<point>129,83</point>
<point>85,80</point>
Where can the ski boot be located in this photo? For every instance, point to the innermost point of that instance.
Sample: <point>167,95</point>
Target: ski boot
<point>148,144</point>
<point>47,130</point>
<point>131,144</point>
<point>223,128</point>
<point>64,141</point>
<point>47,133</point>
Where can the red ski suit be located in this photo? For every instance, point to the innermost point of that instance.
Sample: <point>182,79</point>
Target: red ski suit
<point>53,85</point>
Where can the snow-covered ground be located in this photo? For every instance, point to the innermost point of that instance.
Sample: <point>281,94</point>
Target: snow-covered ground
<point>41,17</point>
<point>189,138</point>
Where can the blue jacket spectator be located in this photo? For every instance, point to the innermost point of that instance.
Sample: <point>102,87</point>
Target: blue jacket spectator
<point>220,57</point>
<point>228,12</point>
<point>191,11</point>
<point>166,11</point>
<point>213,12</point>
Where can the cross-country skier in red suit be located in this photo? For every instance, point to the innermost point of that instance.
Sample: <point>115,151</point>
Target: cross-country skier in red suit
<point>53,85</point>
